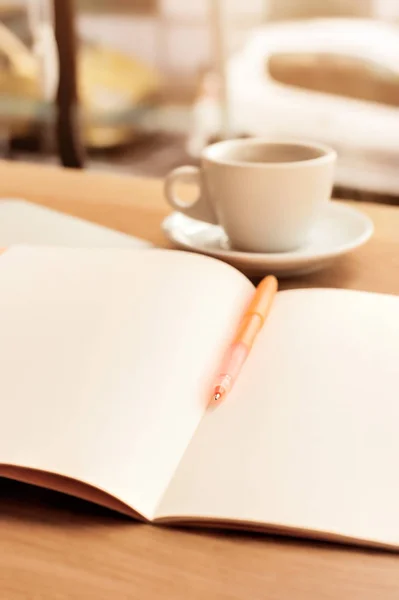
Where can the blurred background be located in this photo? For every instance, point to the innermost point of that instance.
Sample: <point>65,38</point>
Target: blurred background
<point>141,86</point>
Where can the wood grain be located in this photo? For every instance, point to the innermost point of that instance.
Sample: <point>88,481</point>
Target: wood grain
<point>58,548</point>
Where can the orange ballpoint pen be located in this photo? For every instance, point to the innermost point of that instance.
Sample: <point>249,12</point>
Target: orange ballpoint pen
<point>249,328</point>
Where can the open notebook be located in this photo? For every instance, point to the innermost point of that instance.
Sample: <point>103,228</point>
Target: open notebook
<point>107,359</point>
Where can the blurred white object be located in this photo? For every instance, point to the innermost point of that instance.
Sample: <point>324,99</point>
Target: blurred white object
<point>386,9</point>
<point>218,15</point>
<point>40,17</point>
<point>24,223</point>
<point>267,97</point>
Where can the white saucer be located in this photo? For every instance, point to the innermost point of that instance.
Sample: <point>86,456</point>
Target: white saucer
<point>339,230</point>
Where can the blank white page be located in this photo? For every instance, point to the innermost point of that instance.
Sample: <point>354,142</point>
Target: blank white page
<point>106,358</point>
<point>309,436</point>
<point>23,222</point>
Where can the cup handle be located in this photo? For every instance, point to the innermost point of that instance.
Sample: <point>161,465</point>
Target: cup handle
<point>201,208</point>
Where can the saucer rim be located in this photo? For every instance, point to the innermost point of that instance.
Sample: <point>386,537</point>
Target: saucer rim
<point>293,257</point>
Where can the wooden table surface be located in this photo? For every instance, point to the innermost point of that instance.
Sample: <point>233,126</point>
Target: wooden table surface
<point>58,548</point>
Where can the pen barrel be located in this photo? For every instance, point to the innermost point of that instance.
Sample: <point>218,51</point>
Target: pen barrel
<point>248,329</point>
<point>263,298</point>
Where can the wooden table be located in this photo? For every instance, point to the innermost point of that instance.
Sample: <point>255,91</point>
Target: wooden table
<point>55,548</point>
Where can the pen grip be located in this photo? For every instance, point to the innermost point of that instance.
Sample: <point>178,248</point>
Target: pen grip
<point>230,368</point>
<point>234,360</point>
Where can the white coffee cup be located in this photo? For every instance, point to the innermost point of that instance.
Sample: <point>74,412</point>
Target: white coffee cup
<point>267,195</point>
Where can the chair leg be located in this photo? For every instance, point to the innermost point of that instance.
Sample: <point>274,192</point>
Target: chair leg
<point>68,130</point>
<point>5,143</point>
